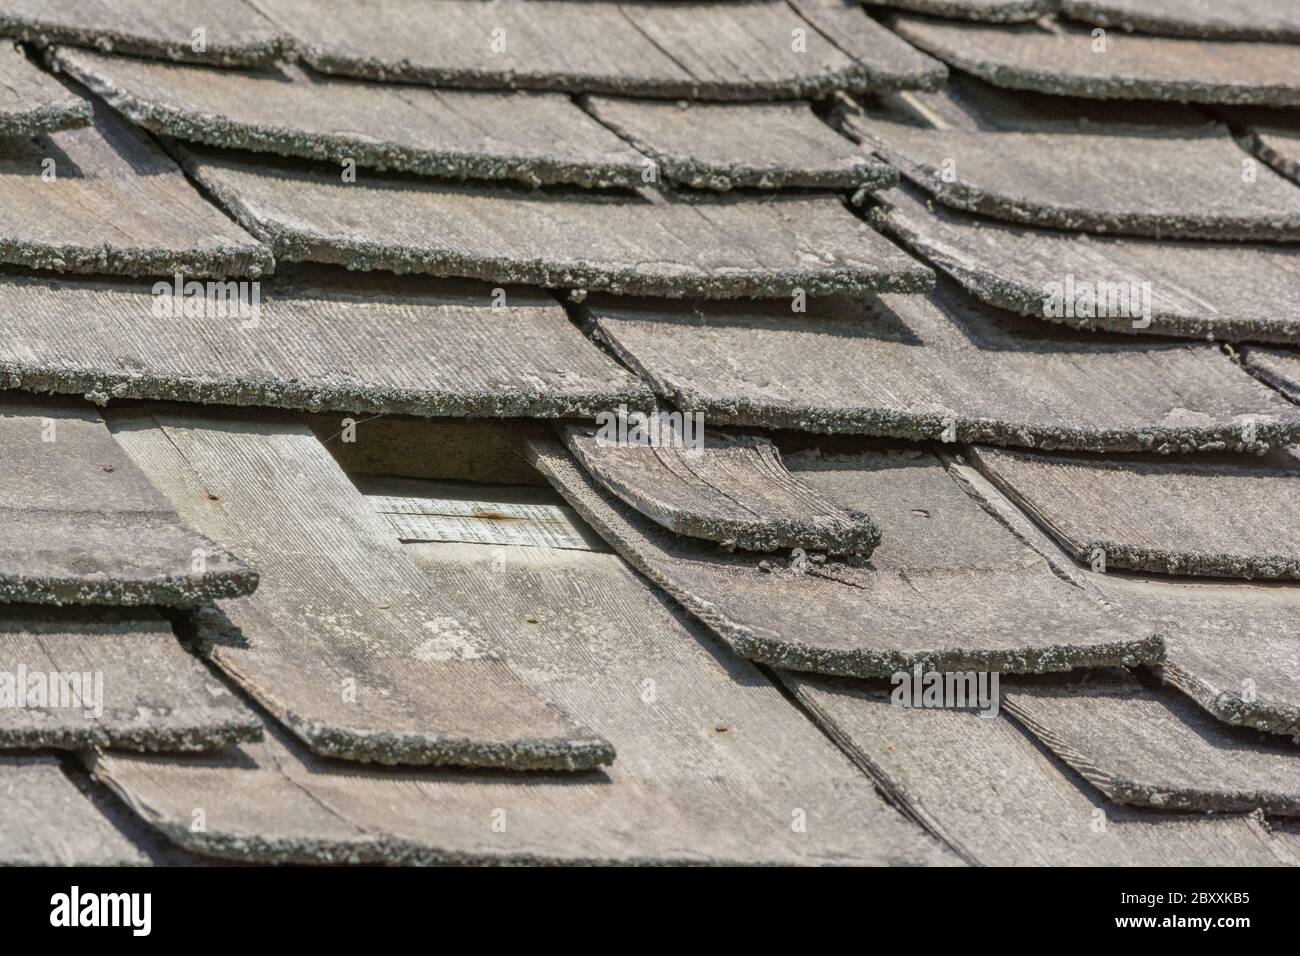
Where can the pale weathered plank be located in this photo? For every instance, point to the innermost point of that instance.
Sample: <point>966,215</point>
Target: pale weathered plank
<point>107,199</point>
<point>426,511</point>
<point>1142,182</point>
<point>344,642</point>
<point>731,489</point>
<point>941,366</point>
<point>1059,58</point>
<point>1275,20</point>
<point>714,765</point>
<point>756,49</point>
<point>1231,646</point>
<point>83,525</point>
<point>318,338</point>
<point>1279,367</point>
<point>46,821</point>
<point>234,32</point>
<point>946,589</point>
<point>106,678</point>
<point>532,138</point>
<point>1225,516</point>
<point>1154,748</point>
<point>715,247</point>
<point>1229,291</point>
<point>735,145</point>
<point>32,101</point>
<point>984,788</point>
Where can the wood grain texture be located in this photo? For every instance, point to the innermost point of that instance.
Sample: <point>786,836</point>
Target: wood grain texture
<point>733,489</point>
<point>531,138</point>
<point>319,338</point>
<point>715,247</point>
<point>116,679</point>
<point>46,821</point>
<point>941,366</point>
<point>946,589</point>
<point>733,51</point>
<point>345,642</point>
<point>741,145</point>
<point>982,786</point>
<point>1142,182</point>
<point>1219,517</point>
<point>235,32</point>
<point>1279,367</point>
<point>1225,291</point>
<point>1154,748</point>
<point>32,101</point>
<point>83,525</point>
<point>107,199</point>
<point>1230,646</point>
<point>1058,58</point>
<point>713,762</point>
<point>1215,19</point>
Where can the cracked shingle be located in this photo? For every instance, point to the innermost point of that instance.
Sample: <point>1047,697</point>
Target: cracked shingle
<point>31,101</point>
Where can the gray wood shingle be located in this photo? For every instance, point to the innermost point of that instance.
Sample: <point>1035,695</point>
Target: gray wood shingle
<point>942,366</point>
<point>713,764</point>
<point>32,101</point>
<point>946,588</point>
<point>1275,20</point>
<point>345,642</point>
<point>992,11</point>
<point>1279,367</point>
<point>83,525</point>
<point>527,137</point>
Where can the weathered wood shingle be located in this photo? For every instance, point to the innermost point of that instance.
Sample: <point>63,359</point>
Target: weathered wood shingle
<point>345,642</point>
<point>116,679</point>
<point>714,247</point>
<point>946,588</point>
<point>713,764</point>
<point>32,101</point>
<point>731,489</point>
<point>1225,516</point>
<point>1279,367</point>
<point>1272,135</point>
<point>992,11</point>
<point>1276,20</point>
<point>83,525</point>
<point>942,366</point>
<point>107,199</point>
<point>320,338</point>
<point>530,138</point>
<point>1059,58</point>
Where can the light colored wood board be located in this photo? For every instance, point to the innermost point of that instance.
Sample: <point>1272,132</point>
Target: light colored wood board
<point>46,821</point>
<point>1273,20</point>
<point>1216,516</point>
<point>1226,291</point>
<point>983,787</point>
<point>1142,182</point>
<point>741,145</point>
<point>1230,646</point>
<point>946,589</point>
<point>234,31</point>
<point>107,199</point>
<point>83,525</point>
<point>459,449</point>
<point>345,642</point>
<point>732,51</point>
<point>1279,367</point>
<point>79,678</point>
<point>715,247</point>
<point>1058,58</point>
<point>445,511</point>
<point>1154,748</point>
<point>885,61</point>
<point>318,338</point>
<point>731,489</point>
<point>527,137</point>
<point>942,366</point>
<point>713,761</point>
<point>32,101</point>
<point>991,11</point>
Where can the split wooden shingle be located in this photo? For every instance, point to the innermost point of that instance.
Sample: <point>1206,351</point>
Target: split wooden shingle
<point>32,101</point>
